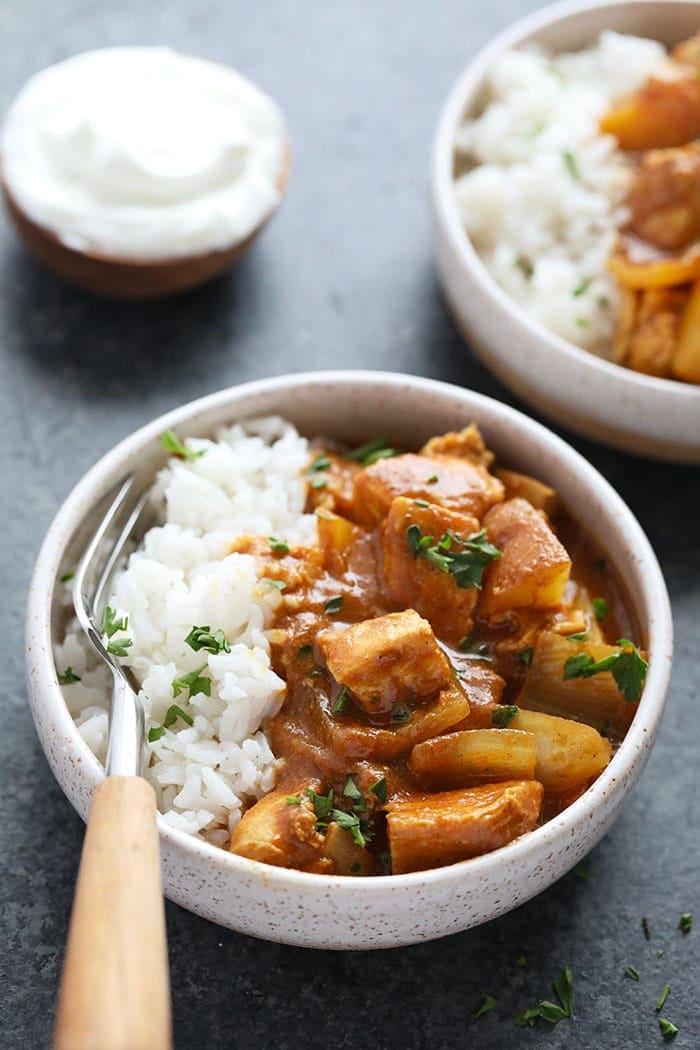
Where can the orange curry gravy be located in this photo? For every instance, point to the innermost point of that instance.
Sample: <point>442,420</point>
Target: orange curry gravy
<point>328,740</point>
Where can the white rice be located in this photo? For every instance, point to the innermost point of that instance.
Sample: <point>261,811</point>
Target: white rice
<point>249,481</point>
<point>545,190</point>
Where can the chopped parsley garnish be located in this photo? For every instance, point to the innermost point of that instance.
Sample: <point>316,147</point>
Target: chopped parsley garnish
<point>322,804</point>
<point>171,716</point>
<point>464,560</point>
<point>66,576</point>
<point>632,972</point>
<point>361,832</point>
<point>685,923</point>
<point>627,666</point>
<point>370,452</point>
<point>667,1027</point>
<point>111,625</point>
<point>432,480</point>
<point>320,463</point>
<point>479,652</point>
<point>605,731</point>
<point>399,714</point>
<point>582,322</point>
<point>318,482</point>
<point>194,682</point>
<point>341,703</point>
<point>171,443</point>
<point>552,1012</point>
<point>571,165</point>
<point>277,584</point>
<point>333,605</point>
<point>663,997</point>
<point>378,788</point>
<point>421,503</point>
<point>354,868</point>
<point>68,677</point>
<point>487,1004</point>
<point>278,546</point>
<point>525,266</point>
<point>582,287</point>
<point>304,652</point>
<point>385,858</point>
<point>580,871</point>
<point>525,656</point>
<point>293,800</point>
<point>504,714</point>
<point>602,302</point>
<point>600,609</point>
<point>580,636</point>
<point>211,641</point>
<point>351,790</point>
<point>521,960</point>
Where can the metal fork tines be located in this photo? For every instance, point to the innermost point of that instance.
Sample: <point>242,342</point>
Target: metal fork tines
<point>121,524</point>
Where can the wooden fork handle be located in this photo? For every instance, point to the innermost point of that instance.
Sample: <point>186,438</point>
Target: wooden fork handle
<point>114,992</point>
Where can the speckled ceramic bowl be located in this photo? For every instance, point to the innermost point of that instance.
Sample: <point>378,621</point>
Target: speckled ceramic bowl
<point>330,911</point>
<point>604,401</point>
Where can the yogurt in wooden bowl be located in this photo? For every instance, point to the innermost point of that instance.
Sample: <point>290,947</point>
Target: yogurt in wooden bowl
<point>136,171</point>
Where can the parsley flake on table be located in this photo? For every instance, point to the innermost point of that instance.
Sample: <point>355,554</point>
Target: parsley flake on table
<point>663,997</point>
<point>171,443</point>
<point>632,972</point>
<point>464,560</point>
<point>68,677</point>
<point>194,682</point>
<point>627,666</point>
<point>685,923</point>
<point>668,1029</point>
<point>211,641</point>
<point>487,1004</point>
<point>549,1011</point>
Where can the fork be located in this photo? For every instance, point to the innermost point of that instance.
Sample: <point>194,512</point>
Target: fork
<point>114,992</point>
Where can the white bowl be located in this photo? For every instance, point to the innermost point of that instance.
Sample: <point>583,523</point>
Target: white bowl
<point>602,400</point>
<point>379,912</point>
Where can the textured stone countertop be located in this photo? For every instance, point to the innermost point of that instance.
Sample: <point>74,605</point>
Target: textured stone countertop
<point>343,277</point>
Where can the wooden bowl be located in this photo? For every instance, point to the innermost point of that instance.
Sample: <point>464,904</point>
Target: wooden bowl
<point>118,277</point>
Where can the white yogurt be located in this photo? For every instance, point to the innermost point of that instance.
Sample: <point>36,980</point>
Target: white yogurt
<point>143,153</point>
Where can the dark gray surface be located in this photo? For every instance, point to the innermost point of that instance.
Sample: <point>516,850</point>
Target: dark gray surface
<point>342,278</point>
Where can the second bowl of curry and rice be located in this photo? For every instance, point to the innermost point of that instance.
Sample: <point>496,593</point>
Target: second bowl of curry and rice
<point>379,666</point>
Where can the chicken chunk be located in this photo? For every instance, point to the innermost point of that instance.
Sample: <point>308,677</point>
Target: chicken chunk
<point>278,832</point>
<point>541,496</point>
<point>654,338</point>
<point>534,567</point>
<point>664,112</point>
<point>463,444</point>
<point>664,200</point>
<point>386,661</point>
<point>442,829</point>
<point>414,582</point>
<point>457,484</point>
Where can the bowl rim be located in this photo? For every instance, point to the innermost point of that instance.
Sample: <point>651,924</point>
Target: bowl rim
<point>46,693</point>
<point>446,212</point>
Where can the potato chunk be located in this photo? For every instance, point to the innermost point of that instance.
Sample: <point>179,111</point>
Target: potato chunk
<point>455,483</point>
<point>414,582</point>
<point>534,567</point>
<point>569,754</point>
<point>275,832</point>
<point>594,700</point>
<point>442,829</point>
<point>348,858</point>
<point>664,112</point>
<point>475,756</point>
<point>387,661</point>
<point>541,496</point>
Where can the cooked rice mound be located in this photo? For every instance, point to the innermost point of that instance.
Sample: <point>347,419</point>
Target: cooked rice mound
<point>249,481</point>
<point>544,194</point>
